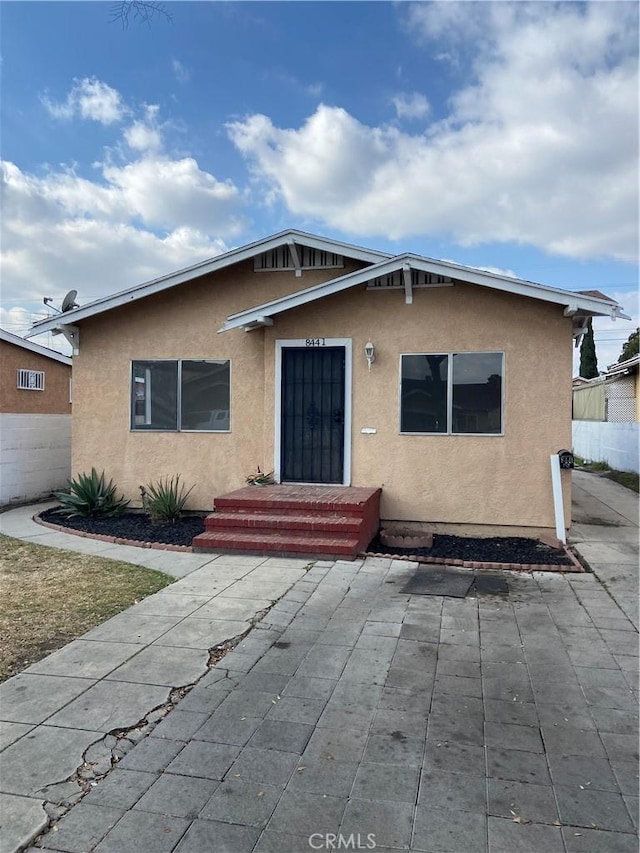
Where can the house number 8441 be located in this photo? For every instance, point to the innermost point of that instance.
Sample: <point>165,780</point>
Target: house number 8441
<point>314,342</point>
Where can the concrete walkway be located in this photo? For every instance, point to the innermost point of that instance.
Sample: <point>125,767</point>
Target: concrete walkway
<point>121,677</point>
<point>423,723</point>
<point>605,532</point>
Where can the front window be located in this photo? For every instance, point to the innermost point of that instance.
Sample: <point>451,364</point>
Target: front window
<point>451,393</point>
<point>186,395</point>
<point>476,404</point>
<point>423,405</point>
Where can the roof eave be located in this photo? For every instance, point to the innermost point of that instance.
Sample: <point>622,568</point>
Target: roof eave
<point>226,259</point>
<point>574,304</point>
<point>38,349</point>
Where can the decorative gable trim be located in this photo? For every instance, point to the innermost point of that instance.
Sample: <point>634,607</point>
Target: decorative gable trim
<point>243,253</point>
<point>402,268</point>
<point>297,257</point>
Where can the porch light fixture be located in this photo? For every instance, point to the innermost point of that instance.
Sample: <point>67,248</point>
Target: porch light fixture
<point>369,353</point>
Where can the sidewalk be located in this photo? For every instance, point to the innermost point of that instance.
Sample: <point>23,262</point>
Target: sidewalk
<point>495,724</point>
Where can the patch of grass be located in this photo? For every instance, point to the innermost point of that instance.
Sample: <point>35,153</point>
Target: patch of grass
<point>630,481</point>
<point>50,597</point>
<point>624,478</point>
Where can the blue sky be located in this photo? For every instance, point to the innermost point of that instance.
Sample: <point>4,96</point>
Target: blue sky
<point>493,134</point>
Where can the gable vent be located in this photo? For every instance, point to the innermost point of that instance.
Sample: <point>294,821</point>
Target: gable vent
<point>310,259</point>
<point>418,279</point>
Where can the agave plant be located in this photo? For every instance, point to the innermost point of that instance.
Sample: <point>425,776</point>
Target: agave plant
<point>91,496</point>
<point>165,500</point>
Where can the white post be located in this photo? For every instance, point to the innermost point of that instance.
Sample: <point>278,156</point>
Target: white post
<point>558,504</point>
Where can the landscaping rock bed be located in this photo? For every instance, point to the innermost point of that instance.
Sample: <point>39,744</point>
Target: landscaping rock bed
<point>138,527</point>
<point>498,549</point>
<point>133,526</point>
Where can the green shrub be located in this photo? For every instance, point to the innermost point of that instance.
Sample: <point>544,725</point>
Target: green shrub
<point>91,496</point>
<point>164,500</point>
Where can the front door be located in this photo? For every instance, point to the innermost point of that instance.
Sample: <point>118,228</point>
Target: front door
<point>312,414</point>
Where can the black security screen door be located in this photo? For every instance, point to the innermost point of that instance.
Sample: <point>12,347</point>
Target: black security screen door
<point>312,427</point>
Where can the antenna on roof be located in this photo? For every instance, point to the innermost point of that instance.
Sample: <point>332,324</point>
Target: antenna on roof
<point>47,301</point>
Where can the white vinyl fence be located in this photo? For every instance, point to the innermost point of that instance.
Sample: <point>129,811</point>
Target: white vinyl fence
<point>35,454</point>
<point>613,443</point>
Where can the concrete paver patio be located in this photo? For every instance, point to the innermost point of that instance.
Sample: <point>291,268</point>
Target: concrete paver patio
<point>491,723</point>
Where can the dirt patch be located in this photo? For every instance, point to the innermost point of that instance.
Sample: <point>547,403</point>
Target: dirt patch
<point>50,597</point>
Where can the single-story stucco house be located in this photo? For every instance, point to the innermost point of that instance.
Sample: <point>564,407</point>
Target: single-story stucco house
<point>35,420</point>
<point>445,387</point>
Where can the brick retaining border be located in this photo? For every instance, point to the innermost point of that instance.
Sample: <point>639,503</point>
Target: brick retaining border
<point>575,566</point>
<point>414,558</point>
<point>115,540</point>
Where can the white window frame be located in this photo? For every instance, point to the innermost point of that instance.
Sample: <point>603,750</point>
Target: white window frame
<point>348,360</point>
<point>449,430</point>
<point>179,362</point>
<point>30,380</point>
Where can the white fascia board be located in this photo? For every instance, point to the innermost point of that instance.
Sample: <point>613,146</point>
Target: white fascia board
<point>310,294</point>
<point>234,256</point>
<point>16,340</point>
<point>621,366</point>
<point>588,304</point>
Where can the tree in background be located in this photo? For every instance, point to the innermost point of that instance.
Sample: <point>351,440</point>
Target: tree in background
<point>631,347</point>
<point>588,359</point>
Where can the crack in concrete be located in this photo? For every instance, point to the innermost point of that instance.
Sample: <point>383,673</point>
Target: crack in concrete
<point>104,754</point>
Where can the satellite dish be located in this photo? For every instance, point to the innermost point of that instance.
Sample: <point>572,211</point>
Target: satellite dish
<point>69,301</point>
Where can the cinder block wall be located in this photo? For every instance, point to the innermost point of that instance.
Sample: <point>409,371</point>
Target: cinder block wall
<point>35,454</point>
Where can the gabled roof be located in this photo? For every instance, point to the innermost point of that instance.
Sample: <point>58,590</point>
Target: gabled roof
<point>16,340</point>
<point>613,372</point>
<point>576,305</point>
<point>226,259</point>
<point>622,367</point>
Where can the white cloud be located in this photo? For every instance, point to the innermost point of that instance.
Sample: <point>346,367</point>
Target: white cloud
<point>539,148</point>
<point>170,193</point>
<point>495,270</point>
<point>135,219</point>
<point>51,244</point>
<point>89,98</point>
<point>410,105</point>
<point>144,134</point>
<point>182,73</point>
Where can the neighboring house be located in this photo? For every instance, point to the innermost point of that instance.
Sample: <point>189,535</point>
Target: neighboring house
<point>447,387</point>
<point>606,414</point>
<point>35,420</point>
<point>621,391</point>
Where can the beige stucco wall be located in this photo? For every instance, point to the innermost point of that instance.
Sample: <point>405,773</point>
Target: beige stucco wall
<point>463,480</point>
<point>55,397</point>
